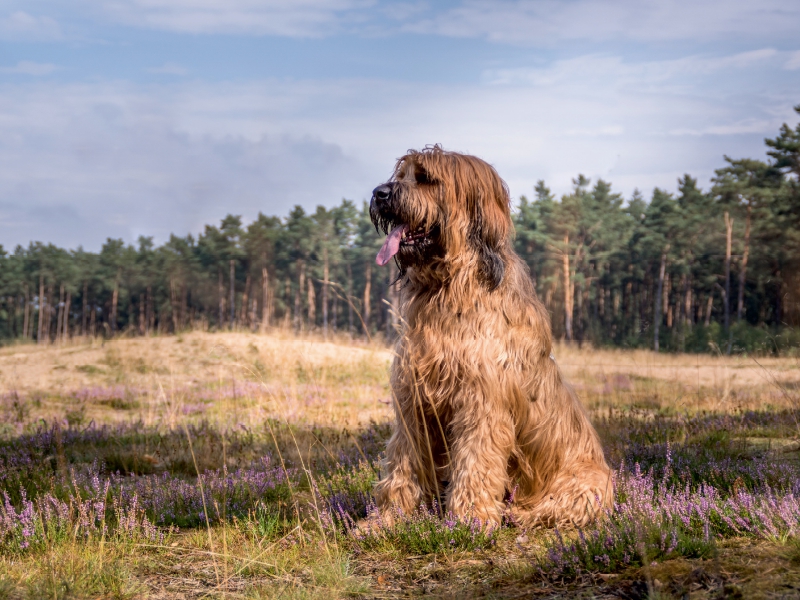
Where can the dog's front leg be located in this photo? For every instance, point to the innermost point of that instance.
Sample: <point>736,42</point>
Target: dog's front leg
<point>483,438</point>
<point>399,491</point>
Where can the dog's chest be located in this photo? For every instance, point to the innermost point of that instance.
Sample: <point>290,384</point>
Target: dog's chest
<point>439,364</point>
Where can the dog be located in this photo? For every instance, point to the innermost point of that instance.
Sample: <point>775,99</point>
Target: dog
<point>482,412</point>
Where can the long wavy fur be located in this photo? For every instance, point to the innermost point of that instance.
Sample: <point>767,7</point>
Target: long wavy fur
<point>481,407</point>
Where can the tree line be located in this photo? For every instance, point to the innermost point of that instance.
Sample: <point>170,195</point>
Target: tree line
<point>690,270</point>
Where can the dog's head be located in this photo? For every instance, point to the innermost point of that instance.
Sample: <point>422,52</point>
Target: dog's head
<point>444,208</point>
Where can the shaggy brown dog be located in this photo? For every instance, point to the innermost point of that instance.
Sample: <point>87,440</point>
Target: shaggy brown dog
<point>481,408</point>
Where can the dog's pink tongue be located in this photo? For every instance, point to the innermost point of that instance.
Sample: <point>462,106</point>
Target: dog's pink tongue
<point>391,245</point>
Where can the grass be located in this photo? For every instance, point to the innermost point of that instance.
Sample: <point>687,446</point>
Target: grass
<point>236,465</point>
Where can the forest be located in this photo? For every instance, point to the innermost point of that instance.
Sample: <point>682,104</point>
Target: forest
<point>692,270</point>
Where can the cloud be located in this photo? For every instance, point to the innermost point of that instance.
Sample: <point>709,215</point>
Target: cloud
<point>757,126</point>
<point>615,70</point>
<point>85,162</point>
<point>546,22</point>
<point>169,68</point>
<point>794,61</point>
<point>20,25</point>
<point>294,18</point>
<point>131,159</point>
<point>540,23</point>
<point>26,67</point>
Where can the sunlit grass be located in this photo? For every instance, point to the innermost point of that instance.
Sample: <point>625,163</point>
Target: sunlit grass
<point>260,452</point>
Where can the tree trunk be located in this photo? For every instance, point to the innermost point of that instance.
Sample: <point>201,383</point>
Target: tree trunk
<point>334,312</point>
<point>26,315</point>
<point>568,295</point>
<point>658,299</point>
<point>93,321</point>
<point>151,313</point>
<point>312,306</point>
<point>40,327</point>
<point>600,302</point>
<point>114,301</point>
<point>185,319</point>
<point>142,313</point>
<point>367,296</point>
<point>85,311</point>
<point>67,305</point>
<point>243,317</point>
<point>221,294</point>
<point>287,294</point>
<point>325,275</point>
<point>578,320</point>
<point>350,299</point>
<point>16,301</point>
<point>49,324</point>
<point>728,239</point>
<point>265,296</point>
<point>687,302</point>
<point>232,294</point>
<point>173,305</point>
<point>743,269</point>
<point>709,305</point>
<point>298,297</point>
<point>60,314</point>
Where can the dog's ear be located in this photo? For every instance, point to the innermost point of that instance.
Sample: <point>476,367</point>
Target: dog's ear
<point>491,225</point>
<point>492,267</point>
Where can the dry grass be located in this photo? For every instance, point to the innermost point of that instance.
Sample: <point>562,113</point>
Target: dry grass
<point>341,383</point>
<point>283,377</point>
<point>235,379</point>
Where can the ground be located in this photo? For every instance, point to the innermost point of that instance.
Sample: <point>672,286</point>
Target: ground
<point>101,443</point>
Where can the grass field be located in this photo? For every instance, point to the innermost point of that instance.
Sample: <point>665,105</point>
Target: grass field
<point>101,444</point>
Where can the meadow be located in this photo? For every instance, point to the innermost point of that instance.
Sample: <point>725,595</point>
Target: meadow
<point>235,465</point>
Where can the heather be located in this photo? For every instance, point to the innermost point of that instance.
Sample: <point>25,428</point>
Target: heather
<point>223,477</point>
<point>652,521</point>
<point>682,483</point>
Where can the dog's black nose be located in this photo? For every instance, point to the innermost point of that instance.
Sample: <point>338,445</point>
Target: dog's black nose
<point>381,193</point>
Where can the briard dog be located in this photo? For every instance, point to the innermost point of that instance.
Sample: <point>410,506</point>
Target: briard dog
<point>482,412</point>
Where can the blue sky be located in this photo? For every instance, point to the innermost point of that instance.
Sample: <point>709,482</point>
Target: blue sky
<point>146,117</point>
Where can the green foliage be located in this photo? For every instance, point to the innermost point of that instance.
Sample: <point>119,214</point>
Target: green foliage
<point>611,271</point>
<point>425,532</point>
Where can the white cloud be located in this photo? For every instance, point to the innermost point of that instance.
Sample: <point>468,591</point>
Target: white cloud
<point>545,22</point>
<point>615,71</point>
<point>20,25</point>
<point>297,18</point>
<point>82,162</point>
<point>26,67</point>
<point>758,126</point>
<point>793,63</point>
<point>540,23</point>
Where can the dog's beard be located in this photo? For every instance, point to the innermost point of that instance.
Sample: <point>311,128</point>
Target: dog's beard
<point>407,243</point>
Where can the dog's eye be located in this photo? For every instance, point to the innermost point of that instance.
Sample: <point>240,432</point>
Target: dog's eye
<point>422,177</point>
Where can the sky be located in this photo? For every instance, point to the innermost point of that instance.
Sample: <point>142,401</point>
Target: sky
<point>123,118</point>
